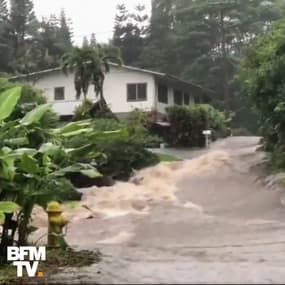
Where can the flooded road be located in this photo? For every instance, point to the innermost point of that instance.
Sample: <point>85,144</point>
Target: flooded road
<point>206,220</point>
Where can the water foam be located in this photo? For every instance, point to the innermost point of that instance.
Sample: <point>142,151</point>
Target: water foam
<point>153,184</point>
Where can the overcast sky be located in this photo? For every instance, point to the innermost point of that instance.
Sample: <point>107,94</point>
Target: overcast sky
<point>87,16</point>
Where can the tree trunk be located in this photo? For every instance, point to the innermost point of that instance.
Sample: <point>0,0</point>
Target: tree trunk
<point>6,239</point>
<point>102,101</point>
<point>23,225</point>
<point>225,74</point>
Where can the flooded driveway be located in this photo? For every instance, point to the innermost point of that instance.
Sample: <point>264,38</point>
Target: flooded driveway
<point>206,220</point>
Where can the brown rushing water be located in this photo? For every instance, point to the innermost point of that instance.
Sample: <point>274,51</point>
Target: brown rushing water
<point>208,220</point>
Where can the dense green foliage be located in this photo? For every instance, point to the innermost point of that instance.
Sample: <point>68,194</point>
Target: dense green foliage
<point>261,74</point>
<point>37,157</point>
<point>34,162</point>
<point>203,41</point>
<point>28,44</point>
<point>129,32</point>
<point>90,64</point>
<point>139,123</point>
<point>30,98</point>
<point>124,154</point>
<point>188,123</point>
<point>124,148</point>
<point>83,111</point>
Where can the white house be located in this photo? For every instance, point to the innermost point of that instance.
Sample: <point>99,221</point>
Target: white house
<point>125,89</point>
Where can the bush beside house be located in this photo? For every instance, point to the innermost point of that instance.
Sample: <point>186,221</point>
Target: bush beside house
<point>188,122</point>
<point>124,148</point>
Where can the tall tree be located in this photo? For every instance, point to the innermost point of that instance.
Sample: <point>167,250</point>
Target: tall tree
<point>159,52</point>
<point>64,35</point>
<point>120,21</point>
<point>51,52</point>
<point>203,40</point>
<point>262,82</point>
<point>90,64</point>
<point>93,41</point>
<point>129,33</point>
<point>4,37</point>
<point>53,40</point>
<point>85,42</point>
<point>3,10</point>
<point>24,29</point>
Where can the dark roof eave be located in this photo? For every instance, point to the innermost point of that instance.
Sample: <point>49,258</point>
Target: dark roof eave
<point>192,85</point>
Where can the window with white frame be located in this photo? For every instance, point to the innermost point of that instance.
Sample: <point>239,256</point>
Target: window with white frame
<point>136,92</point>
<point>59,93</point>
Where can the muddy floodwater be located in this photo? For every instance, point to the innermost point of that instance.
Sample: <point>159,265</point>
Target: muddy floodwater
<point>211,219</point>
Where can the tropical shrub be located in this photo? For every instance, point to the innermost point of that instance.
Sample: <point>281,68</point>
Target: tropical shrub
<point>30,99</point>
<point>87,109</point>
<point>139,124</point>
<point>34,163</point>
<point>262,81</point>
<point>188,122</point>
<point>107,125</point>
<point>83,111</point>
<point>216,118</point>
<point>124,154</point>
<point>124,150</point>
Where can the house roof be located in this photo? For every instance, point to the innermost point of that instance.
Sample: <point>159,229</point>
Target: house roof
<point>132,68</point>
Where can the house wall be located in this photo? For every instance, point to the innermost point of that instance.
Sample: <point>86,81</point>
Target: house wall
<point>115,90</point>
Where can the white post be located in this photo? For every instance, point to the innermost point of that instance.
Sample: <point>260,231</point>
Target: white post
<point>207,134</point>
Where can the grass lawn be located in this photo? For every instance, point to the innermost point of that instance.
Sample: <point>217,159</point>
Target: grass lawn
<point>167,157</point>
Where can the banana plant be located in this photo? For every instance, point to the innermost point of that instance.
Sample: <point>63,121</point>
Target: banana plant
<point>34,173</point>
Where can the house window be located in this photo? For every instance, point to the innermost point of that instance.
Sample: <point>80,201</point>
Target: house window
<point>137,92</point>
<point>186,99</point>
<point>59,93</point>
<point>163,94</point>
<point>178,97</point>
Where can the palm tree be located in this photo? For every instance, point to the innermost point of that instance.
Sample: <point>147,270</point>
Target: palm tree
<point>90,65</point>
<point>104,55</point>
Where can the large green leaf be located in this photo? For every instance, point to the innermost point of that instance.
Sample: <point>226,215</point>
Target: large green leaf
<point>108,134</point>
<point>91,173</point>
<point>49,148</point>
<point>8,169</point>
<point>20,151</point>
<point>78,132</point>
<point>36,114</point>
<point>29,164</point>
<point>8,101</point>
<point>79,168</point>
<point>72,127</point>
<point>2,218</point>
<point>86,151</point>
<point>69,169</point>
<point>8,207</point>
<point>4,151</point>
<point>17,141</point>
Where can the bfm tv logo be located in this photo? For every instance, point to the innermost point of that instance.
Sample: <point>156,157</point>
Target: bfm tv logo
<point>34,254</point>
